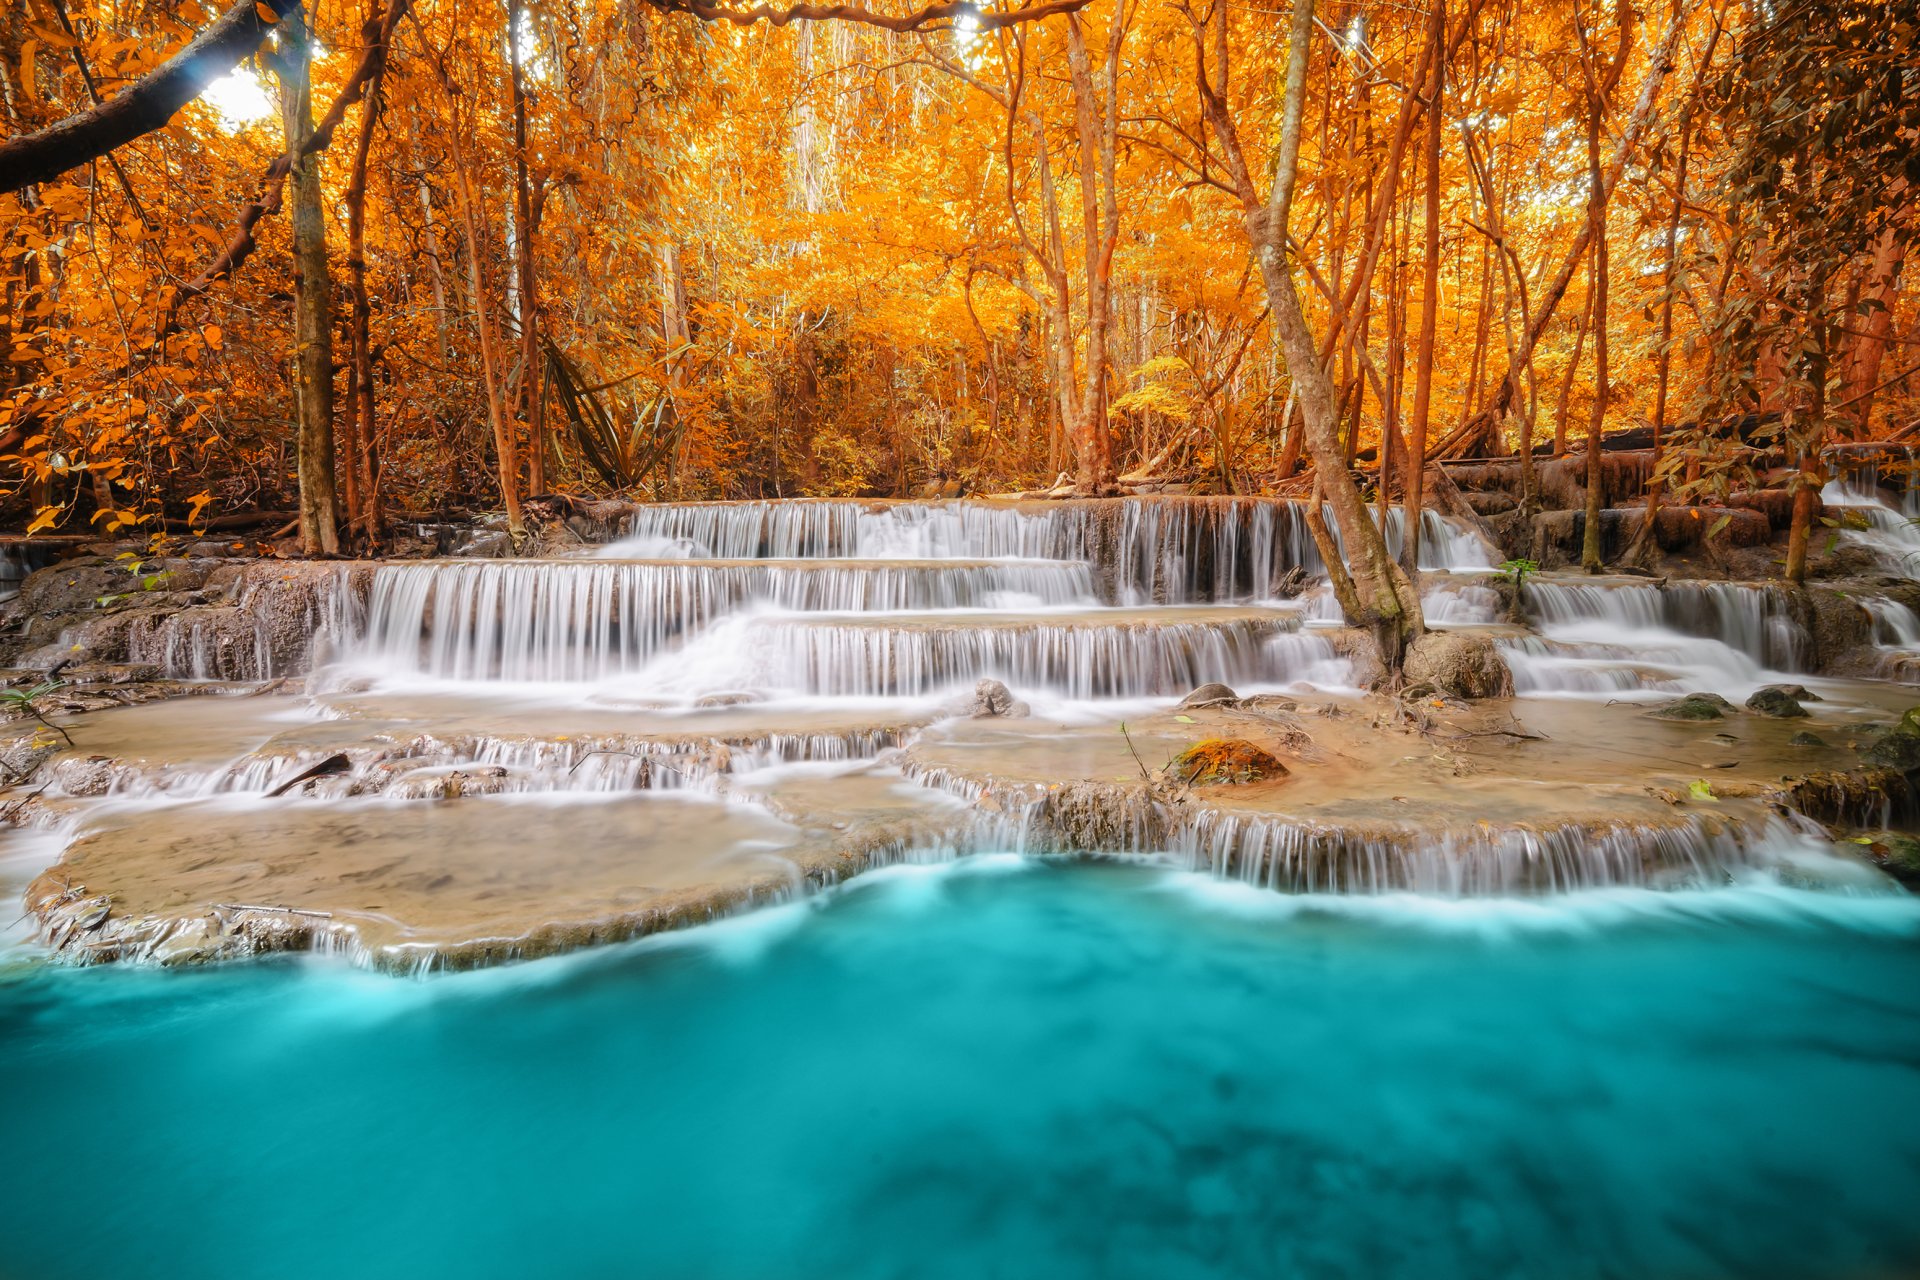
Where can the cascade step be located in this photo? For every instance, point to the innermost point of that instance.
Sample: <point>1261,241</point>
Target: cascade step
<point>1099,653</point>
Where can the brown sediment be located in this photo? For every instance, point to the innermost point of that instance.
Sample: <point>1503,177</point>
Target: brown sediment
<point>1421,793</point>
<point>454,885</point>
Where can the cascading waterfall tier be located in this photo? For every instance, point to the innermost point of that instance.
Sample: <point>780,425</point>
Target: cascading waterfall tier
<point>591,619</point>
<point>1091,655</point>
<point>1618,637</point>
<point>1165,550</point>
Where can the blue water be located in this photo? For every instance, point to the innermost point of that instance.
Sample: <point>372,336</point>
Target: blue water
<point>1006,1069</point>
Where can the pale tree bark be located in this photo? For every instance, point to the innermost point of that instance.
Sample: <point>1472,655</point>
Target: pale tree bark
<point>312,303</point>
<point>1374,592</point>
<point>532,402</point>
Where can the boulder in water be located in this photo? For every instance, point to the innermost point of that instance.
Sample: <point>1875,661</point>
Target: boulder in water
<point>1212,694</point>
<point>1778,701</point>
<point>1898,747</point>
<point>1225,761</point>
<point>1459,666</point>
<point>992,699</point>
<point>1897,855</point>
<point>1695,706</point>
<point>1805,739</point>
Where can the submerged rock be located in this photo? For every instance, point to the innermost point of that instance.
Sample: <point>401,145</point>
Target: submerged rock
<point>1213,694</point>
<point>1225,761</point>
<point>1777,700</point>
<point>991,698</point>
<point>1695,706</point>
<point>1460,666</point>
<point>1805,739</point>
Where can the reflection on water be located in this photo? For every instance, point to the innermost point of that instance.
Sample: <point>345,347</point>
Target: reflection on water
<point>1000,1067</point>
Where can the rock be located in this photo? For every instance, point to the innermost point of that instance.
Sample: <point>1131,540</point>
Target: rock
<point>992,698</point>
<point>1695,706</point>
<point>1897,855</point>
<point>1459,666</point>
<point>109,672</point>
<point>1842,630</point>
<point>1213,694</point>
<point>1899,747</point>
<point>1775,700</point>
<point>1225,761</point>
<point>1805,739</point>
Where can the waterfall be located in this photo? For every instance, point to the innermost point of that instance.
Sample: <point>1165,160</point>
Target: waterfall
<point>1299,857</point>
<point>1889,531</point>
<point>589,619</point>
<point>1150,550</point>
<point>1080,658</point>
<point>1609,638</point>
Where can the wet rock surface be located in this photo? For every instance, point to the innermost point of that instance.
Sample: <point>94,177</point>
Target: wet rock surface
<point>1695,706</point>
<point>1783,702</point>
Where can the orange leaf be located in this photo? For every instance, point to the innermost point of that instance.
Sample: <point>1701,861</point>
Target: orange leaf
<point>266,12</point>
<point>212,334</point>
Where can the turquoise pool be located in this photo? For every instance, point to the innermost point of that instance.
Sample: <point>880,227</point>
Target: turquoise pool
<point>1006,1068</point>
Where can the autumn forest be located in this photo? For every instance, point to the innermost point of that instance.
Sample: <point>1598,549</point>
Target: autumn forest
<point>675,251</point>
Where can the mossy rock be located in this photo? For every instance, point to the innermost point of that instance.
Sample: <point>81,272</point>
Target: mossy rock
<point>1695,706</point>
<point>1898,747</point>
<point>1805,739</point>
<point>1225,762</point>
<point>1778,701</point>
<point>1896,854</point>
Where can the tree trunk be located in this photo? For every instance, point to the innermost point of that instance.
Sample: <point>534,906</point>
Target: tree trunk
<point>363,502</point>
<point>1868,349</point>
<point>1429,312</point>
<point>312,304</point>
<point>1590,545</point>
<point>531,401</point>
<point>1380,597</point>
<point>506,456</point>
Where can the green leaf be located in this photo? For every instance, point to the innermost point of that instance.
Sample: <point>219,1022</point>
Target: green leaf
<point>1185,719</point>
<point>1701,789</point>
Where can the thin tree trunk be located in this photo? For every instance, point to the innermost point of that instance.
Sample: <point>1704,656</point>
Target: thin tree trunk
<point>312,304</point>
<point>505,454</point>
<point>531,401</point>
<point>1566,379</point>
<point>1429,314</point>
<point>363,501</point>
<point>1379,595</point>
<point>1590,545</point>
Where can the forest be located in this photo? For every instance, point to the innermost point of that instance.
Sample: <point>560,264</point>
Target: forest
<point>377,264</point>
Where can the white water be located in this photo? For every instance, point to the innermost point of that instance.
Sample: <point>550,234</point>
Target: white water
<point>1890,530</point>
<point>1645,639</point>
<point>805,601</point>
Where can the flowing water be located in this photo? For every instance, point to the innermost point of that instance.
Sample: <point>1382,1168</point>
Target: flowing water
<point>1383,1033</point>
<point>1006,1068</point>
<point>1629,637</point>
